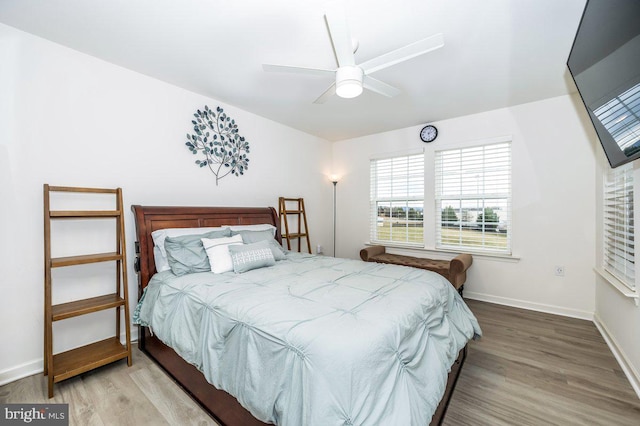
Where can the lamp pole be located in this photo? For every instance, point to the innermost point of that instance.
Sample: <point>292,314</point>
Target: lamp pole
<point>335,182</point>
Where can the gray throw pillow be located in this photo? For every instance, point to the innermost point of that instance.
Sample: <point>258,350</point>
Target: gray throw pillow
<point>186,254</point>
<point>246,257</point>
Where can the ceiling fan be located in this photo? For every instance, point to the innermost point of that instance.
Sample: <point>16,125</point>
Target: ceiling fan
<point>351,78</point>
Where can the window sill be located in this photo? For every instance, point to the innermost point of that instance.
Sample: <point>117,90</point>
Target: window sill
<point>411,250</point>
<point>621,287</point>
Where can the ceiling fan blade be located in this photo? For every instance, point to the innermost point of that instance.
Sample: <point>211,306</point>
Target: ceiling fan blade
<point>336,20</point>
<point>402,54</point>
<point>326,95</point>
<point>297,70</point>
<point>380,87</point>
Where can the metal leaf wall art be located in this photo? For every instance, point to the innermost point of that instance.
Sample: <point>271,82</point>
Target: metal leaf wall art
<point>215,138</point>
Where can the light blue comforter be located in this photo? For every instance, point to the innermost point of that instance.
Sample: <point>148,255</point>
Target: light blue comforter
<point>316,340</point>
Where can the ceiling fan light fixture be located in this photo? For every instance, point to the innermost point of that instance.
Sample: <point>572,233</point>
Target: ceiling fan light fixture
<point>349,81</point>
<point>349,76</point>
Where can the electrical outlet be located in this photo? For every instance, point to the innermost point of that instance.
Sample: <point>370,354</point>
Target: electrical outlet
<point>318,249</point>
<point>559,270</point>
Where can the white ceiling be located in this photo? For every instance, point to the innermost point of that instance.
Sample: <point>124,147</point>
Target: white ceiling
<point>497,53</point>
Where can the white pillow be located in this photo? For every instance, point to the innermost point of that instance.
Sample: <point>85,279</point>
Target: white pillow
<point>258,227</point>
<point>218,252</point>
<point>159,235</point>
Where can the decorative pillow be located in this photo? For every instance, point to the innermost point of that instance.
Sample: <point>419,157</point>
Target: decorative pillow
<point>186,254</point>
<point>251,256</point>
<point>218,252</point>
<point>249,237</point>
<point>159,235</point>
<point>258,227</point>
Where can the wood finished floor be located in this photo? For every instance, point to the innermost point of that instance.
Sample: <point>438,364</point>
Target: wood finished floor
<point>532,368</point>
<point>529,368</point>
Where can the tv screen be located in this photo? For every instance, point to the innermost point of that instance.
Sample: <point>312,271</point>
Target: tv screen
<point>605,65</point>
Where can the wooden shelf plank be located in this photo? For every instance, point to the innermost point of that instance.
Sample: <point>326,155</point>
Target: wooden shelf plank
<point>58,262</point>
<point>295,235</point>
<point>293,211</point>
<point>79,214</point>
<point>84,190</point>
<point>85,306</point>
<point>80,360</point>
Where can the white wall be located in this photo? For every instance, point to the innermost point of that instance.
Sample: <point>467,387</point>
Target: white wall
<point>69,119</point>
<point>616,315</point>
<point>618,318</point>
<point>553,202</point>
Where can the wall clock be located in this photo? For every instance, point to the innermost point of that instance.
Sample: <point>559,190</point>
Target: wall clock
<point>428,133</point>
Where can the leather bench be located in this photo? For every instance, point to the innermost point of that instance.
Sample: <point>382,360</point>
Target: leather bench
<point>454,270</point>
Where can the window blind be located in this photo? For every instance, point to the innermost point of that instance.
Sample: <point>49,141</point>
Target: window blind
<point>397,199</point>
<point>473,198</point>
<point>619,245</point>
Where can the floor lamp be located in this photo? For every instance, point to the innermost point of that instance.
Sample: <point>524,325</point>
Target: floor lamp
<point>334,180</point>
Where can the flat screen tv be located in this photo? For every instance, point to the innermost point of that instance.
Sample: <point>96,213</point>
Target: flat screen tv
<point>605,65</point>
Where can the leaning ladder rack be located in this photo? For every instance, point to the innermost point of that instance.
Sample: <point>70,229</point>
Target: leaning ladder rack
<point>76,361</point>
<point>298,212</point>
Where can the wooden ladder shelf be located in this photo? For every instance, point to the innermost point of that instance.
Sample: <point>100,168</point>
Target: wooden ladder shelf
<point>294,207</point>
<point>76,361</point>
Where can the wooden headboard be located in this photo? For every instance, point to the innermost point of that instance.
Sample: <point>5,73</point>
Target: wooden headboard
<point>149,219</point>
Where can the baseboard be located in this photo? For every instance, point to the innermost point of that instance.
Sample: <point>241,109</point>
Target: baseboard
<point>21,371</point>
<point>539,307</point>
<point>618,353</point>
<point>37,366</point>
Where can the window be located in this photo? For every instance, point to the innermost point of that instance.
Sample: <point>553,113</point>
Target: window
<point>473,198</point>
<point>619,251</point>
<point>397,199</point>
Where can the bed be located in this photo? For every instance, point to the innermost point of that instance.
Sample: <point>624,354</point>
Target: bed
<point>308,357</point>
